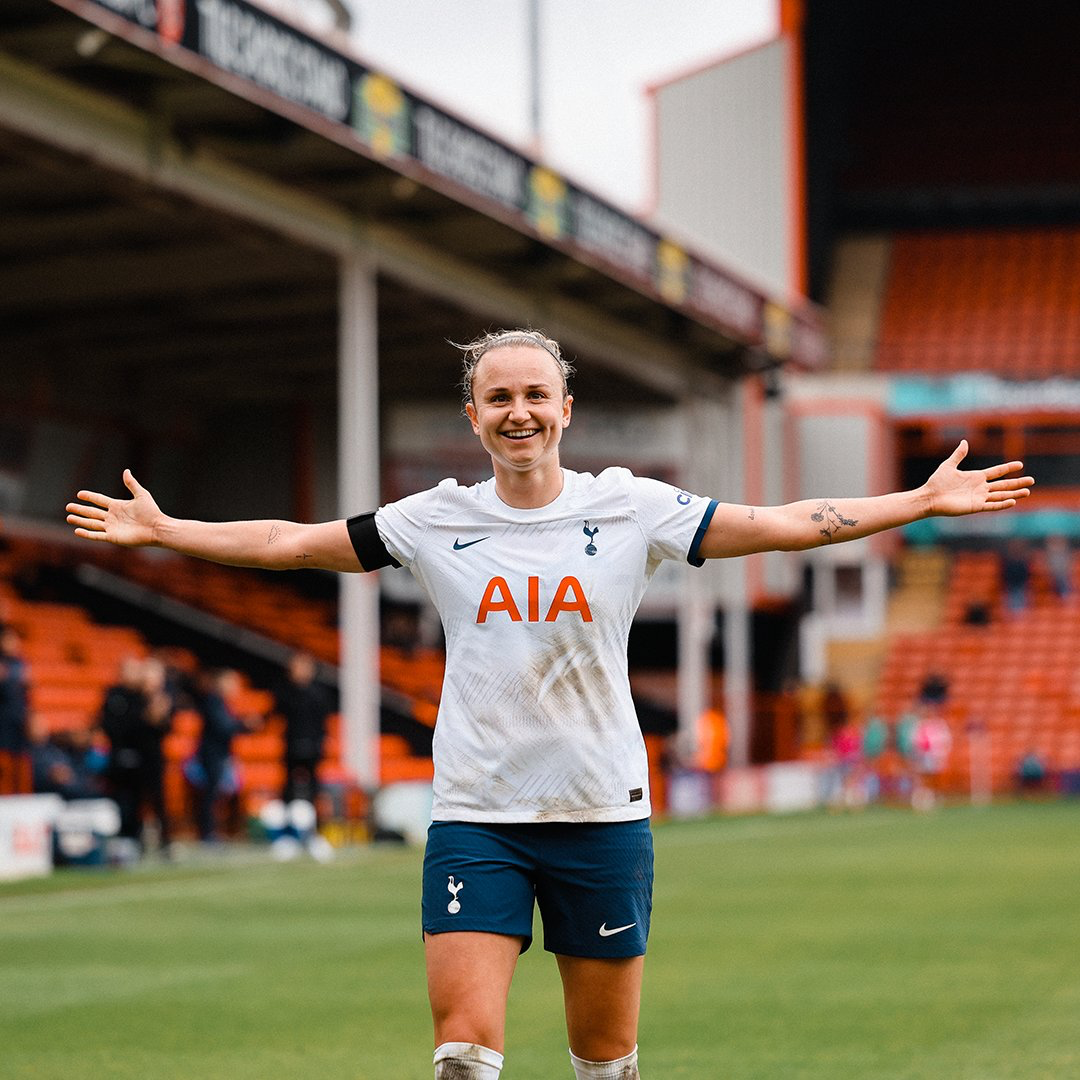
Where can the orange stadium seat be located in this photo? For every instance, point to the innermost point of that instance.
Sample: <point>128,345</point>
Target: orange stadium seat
<point>73,660</point>
<point>1001,301</point>
<point>1017,676</point>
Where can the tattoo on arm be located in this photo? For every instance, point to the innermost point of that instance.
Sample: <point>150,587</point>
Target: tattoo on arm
<point>751,513</point>
<point>832,518</point>
<point>275,532</point>
<point>304,556</point>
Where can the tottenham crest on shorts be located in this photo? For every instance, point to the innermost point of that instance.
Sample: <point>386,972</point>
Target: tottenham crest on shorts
<point>455,905</point>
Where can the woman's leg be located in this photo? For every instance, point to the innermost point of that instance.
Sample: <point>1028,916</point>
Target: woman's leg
<point>603,1000</point>
<point>468,977</point>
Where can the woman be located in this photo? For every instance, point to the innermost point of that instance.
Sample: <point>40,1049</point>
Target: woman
<point>541,780</point>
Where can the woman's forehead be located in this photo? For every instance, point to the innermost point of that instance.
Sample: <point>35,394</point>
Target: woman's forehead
<point>507,364</point>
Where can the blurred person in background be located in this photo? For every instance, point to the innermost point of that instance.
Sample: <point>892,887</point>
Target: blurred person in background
<point>541,775</point>
<point>906,732</point>
<point>306,707</point>
<point>1059,565</point>
<point>1016,576</point>
<point>846,746</point>
<point>933,744</point>
<point>1031,773</point>
<point>15,776</point>
<point>875,744</point>
<point>135,717</point>
<point>66,763</point>
<point>121,720</point>
<point>156,723</point>
<point>934,690</point>
<point>212,771</point>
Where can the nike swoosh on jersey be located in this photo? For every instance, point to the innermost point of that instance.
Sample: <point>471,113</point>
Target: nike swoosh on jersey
<point>605,932</point>
<point>459,546</point>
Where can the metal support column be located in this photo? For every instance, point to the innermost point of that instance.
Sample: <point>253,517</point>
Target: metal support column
<point>696,617</point>
<point>358,491</point>
<point>737,627</point>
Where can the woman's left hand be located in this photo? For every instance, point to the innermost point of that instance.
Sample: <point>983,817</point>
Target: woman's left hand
<point>952,492</point>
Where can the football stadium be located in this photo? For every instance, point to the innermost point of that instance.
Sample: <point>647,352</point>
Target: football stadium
<point>241,263</point>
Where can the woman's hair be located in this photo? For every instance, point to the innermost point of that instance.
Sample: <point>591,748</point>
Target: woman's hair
<point>497,339</point>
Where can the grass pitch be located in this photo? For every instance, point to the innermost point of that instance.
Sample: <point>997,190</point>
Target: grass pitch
<point>882,946</point>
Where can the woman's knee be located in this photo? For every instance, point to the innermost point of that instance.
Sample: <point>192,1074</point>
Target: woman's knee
<point>468,981</point>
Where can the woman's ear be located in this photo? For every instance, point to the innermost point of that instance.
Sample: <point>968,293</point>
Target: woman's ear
<point>470,412</point>
<point>566,409</point>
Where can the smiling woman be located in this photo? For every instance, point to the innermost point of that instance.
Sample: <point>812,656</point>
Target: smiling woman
<point>518,402</point>
<point>541,793</point>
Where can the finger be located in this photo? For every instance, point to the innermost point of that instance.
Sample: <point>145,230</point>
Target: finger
<point>1014,483</point>
<point>133,485</point>
<point>104,501</point>
<point>959,453</point>
<point>86,523</point>
<point>997,471</point>
<point>86,534</point>
<point>1010,497</point>
<point>86,511</point>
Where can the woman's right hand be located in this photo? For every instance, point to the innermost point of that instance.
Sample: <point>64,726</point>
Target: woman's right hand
<point>127,522</point>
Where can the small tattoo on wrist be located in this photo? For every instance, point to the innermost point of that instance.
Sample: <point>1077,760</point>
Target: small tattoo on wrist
<point>751,513</point>
<point>275,532</point>
<point>304,556</point>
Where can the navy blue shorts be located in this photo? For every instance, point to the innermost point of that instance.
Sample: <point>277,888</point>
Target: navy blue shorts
<point>592,882</point>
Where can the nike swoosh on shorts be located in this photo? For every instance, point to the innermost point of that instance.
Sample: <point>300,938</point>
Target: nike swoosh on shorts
<point>605,932</point>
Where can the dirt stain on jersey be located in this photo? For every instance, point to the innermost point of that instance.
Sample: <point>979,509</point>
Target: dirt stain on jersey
<point>568,679</point>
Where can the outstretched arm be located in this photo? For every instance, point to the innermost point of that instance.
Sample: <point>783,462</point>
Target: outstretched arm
<point>950,492</point>
<point>269,545</point>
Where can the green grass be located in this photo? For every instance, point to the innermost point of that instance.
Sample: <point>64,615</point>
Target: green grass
<point>879,946</point>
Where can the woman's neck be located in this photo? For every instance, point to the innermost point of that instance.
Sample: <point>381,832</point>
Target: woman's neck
<point>529,490</point>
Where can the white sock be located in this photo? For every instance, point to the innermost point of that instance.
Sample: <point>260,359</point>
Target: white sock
<point>624,1068</point>
<point>467,1061</point>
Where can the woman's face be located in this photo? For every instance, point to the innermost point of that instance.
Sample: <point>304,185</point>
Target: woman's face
<point>517,408</point>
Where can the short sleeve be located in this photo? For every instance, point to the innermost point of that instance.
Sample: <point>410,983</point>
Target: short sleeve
<point>401,524</point>
<point>673,521</point>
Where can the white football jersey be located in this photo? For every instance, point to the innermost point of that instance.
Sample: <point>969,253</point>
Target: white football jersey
<point>536,721</point>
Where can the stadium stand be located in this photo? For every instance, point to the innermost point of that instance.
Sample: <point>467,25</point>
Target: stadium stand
<point>998,301</point>
<point>1013,676</point>
<point>73,659</point>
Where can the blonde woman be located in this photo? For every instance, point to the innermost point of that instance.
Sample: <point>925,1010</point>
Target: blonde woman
<point>541,779</point>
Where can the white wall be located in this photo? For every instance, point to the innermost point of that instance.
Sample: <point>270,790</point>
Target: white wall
<point>724,163</point>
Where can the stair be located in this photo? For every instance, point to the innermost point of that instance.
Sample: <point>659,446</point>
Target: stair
<point>856,292</point>
<point>917,602</point>
<point>916,605</point>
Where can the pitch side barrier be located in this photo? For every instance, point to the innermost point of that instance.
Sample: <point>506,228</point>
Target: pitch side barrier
<point>254,54</point>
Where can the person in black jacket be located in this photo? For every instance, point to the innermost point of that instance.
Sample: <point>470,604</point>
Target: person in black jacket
<point>121,719</point>
<point>305,706</point>
<point>136,716</point>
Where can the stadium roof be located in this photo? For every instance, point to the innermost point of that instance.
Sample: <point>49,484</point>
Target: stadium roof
<point>197,165</point>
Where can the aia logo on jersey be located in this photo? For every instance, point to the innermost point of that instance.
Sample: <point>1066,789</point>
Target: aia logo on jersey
<point>568,598</point>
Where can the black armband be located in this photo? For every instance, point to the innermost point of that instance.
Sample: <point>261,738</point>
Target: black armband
<point>368,544</point>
